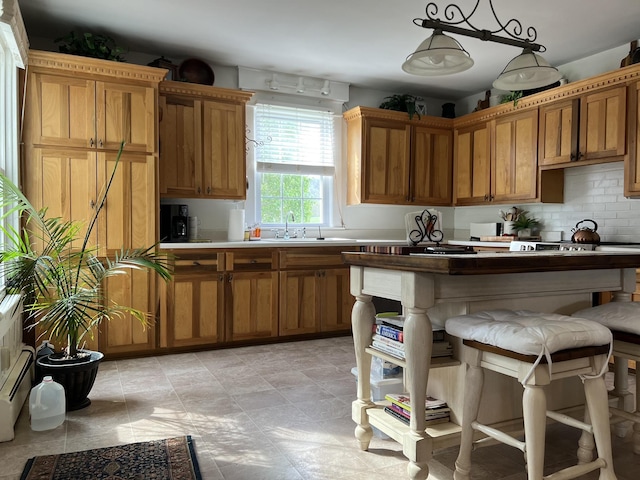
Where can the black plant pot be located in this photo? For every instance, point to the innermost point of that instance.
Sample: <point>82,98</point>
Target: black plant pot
<point>75,375</point>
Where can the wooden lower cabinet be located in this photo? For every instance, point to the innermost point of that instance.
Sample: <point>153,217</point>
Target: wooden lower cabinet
<point>314,301</point>
<point>252,305</point>
<point>194,302</point>
<point>124,334</point>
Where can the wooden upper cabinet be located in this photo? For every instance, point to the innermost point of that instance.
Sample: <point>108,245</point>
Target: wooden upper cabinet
<point>180,152</point>
<point>72,107</point>
<point>431,166</point>
<point>386,171</point>
<point>394,160</point>
<point>514,163</point>
<point>202,141</point>
<point>125,113</point>
<point>224,171</point>
<point>632,162</point>
<point>588,129</point>
<point>61,110</point>
<point>472,164</point>
<point>558,139</point>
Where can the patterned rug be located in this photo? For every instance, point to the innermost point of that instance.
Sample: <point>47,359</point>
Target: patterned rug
<point>169,459</point>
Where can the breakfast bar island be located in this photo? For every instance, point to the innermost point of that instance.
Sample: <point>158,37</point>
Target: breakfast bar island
<point>434,287</point>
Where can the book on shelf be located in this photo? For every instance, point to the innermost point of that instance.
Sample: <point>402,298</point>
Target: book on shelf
<point>389,350</point>
<point>391,319</point>
<point>389,341</point>
<point>394,325</point>
<point>407,420</point>
<point>403,401</point>
<point>388,331</point>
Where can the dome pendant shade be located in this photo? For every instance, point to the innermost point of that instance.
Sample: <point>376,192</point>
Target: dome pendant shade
<point>525,72</point>
<point>438,55</point>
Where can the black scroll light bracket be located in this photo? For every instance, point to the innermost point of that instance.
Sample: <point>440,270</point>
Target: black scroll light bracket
<point>425,229</point>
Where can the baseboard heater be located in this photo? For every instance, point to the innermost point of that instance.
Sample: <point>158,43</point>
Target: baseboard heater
<point>16,366</point>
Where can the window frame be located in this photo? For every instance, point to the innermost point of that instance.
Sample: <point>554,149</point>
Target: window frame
<point>331,184</point>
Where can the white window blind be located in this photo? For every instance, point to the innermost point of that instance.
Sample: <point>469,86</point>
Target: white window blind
<point>298,136</point>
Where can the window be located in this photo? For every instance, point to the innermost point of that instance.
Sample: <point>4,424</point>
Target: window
<point>13,47</point>
<point>295,167</point>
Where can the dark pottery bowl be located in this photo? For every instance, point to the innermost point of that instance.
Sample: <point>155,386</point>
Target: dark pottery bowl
<point>196,71</point>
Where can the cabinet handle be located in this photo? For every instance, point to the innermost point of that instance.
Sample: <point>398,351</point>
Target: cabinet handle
<point>491,198</point>
<point>486,198</point>
<point>580,156</point>
<point>221,277</point>
<point>91,142</point>
<point>572,157</point>
<point>198,190</point>
<point>208,190</point>
<point>196,263</point>
<point>230,277</point>
<point>100,143</point>
<point>92,204</point>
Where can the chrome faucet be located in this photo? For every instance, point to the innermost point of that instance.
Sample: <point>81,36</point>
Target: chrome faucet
<point>286,224</point>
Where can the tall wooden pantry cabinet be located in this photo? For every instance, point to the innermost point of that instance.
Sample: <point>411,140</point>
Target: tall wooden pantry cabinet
<point>78,111</point>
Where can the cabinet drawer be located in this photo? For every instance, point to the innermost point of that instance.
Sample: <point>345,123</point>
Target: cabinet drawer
<point>202,265</point>
<point>251,260</point>
<point>313,257</point>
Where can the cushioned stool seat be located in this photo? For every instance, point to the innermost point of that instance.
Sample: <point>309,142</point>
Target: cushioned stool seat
<point>623,319</point>
<point>535,348</point>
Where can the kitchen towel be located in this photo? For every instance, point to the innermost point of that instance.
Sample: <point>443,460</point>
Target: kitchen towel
<point>235,232</point>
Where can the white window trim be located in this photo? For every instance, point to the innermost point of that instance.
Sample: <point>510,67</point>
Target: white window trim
<point>334,211</point>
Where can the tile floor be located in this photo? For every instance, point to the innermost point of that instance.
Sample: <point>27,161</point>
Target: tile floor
<point>261,413</point>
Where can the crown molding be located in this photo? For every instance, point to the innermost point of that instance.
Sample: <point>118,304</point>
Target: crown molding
<point>203,91</point>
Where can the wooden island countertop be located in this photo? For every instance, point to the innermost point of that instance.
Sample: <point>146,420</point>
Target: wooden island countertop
<point>482,263</point>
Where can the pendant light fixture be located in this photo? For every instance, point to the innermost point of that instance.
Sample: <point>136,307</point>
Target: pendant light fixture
<point>440,54</point>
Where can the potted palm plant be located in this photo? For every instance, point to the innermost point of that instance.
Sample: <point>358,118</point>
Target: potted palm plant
<point>60,277</point>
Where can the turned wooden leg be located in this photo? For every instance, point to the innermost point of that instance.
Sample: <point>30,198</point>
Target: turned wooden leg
<point>596,395</point>
<point>474,380</point>
<point>534,407</point>
<point>585,443</point>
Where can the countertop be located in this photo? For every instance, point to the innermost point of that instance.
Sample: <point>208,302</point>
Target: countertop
<point>280,243</point>
<point>497,262</point>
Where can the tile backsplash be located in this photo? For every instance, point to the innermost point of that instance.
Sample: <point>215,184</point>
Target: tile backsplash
<point>592,192</point>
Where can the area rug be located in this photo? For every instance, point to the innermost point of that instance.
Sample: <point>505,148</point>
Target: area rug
<point>169,459</point>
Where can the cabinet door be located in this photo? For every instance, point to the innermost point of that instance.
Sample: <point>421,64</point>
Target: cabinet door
<point>180,147</point>
<point>472,165</point>
<point>61,111</point>
<point>337,301</point>
<point>129,216</point>
<point>558,133</point>
<point>64,182</point>
<point>514,166</point>
<point>195,305</point>
<point>386,162</point>
<point>603,124</point>
<point>126,113</point>
<point>252,305</point>
<point>223,156</point>
<point>432,158</point>
<point>632,163</point>
<point>124,333</point>
<point>300,302</point>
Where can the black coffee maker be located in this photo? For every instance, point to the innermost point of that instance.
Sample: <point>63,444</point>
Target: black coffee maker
<point>174,223</point>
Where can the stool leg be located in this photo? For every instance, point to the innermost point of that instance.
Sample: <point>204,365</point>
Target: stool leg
<point>586,445</point>
<point>474,379</point>
<point>534,408</point>
<point>596,395</point>
<point>636,425</point>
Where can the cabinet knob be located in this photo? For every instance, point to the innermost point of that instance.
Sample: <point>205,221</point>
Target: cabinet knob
<point>196,263</point>
<point>199,191</point>
<point>92,204</point>
<point>100,143</point>
<point>230,277</point>
<point>486,198</point>
<point>208,190</point>
<point>91,142</point>
<point>221,277</point>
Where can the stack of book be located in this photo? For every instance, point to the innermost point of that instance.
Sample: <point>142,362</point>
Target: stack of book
<point>388,337</point>
<point>436,411</point>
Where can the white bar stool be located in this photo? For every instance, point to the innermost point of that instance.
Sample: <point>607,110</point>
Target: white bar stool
<point>623,319</point>
<point>536,348</point>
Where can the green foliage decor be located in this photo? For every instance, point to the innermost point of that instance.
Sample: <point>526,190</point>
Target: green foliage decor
<point>90,45</point>
<point>402,103</point>
<point>61,281</point>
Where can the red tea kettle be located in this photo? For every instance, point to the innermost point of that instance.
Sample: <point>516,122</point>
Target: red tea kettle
<point>585,234</point>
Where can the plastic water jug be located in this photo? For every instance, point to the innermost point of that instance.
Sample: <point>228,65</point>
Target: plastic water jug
<point>47,405</point>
